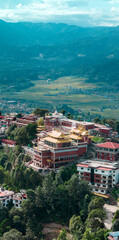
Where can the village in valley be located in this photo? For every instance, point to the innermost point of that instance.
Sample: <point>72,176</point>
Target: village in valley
<point>60,142</point>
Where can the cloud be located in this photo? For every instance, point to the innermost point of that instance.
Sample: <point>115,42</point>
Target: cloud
<point>79,12</point>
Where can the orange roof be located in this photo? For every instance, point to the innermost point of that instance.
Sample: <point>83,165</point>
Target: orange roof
<point>82,165</point>
<point>104,168</point>
<point>2,194</point>
<point>110,145</point>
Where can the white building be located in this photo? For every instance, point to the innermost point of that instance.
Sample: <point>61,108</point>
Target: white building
<point>99,174</point>
<point>6,196</point>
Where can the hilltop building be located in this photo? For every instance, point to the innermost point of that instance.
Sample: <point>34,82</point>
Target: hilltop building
<point>58,120</point>
<point>57,149</point>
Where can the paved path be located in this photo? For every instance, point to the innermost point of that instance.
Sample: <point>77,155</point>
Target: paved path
<point>110,211</point>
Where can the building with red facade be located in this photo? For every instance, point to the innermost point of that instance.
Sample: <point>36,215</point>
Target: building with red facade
<point>56,119</point>
<point>9,143</point>
<point>99,174</point>
<point>108,151</point>
<point>24,121</point>
<point>57,149</point>
<point>9,120</point>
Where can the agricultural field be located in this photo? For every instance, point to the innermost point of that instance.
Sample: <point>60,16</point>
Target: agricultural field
<point>76,92</point>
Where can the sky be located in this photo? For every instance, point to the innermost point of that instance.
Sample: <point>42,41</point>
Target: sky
<point>76,12</point>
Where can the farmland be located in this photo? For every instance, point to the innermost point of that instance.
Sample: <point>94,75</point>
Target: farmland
<point>76,92</point>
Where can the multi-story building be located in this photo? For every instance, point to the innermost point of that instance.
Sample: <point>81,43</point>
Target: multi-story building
<point>113,235</point>
<point>108,151</point>
<point>56,119</point>
<point>24,121</point>
<point>57,149</point>
<point>18,198</point>
<point>99,174</point>
<point>6,196</point>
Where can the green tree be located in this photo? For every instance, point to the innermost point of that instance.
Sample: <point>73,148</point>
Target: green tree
<point>75,223</point>
<point>95,218</point>
<point>13,234</point>
<point>115,225</point>
<point>21,136</point>
<point>116,216</point>
<point>97,120</point>
<point>63,111</point>
<point>40,121</point>
<point>31,130</point>
<point>2,174</point>
<point>62,235</point>
<point>19,115</point>
<point>96,202</point>
<point>40,112</point>
<point>27,158</point>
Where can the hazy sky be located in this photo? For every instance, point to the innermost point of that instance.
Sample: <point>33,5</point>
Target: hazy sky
<point>79,12</point>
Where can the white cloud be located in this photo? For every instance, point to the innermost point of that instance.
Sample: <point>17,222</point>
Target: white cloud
<point>80,12</point>
<point>19,5</point>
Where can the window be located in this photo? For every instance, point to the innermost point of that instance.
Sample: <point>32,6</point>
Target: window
<point>96,190</point>
<point>104,185</point>
<point>82,168</point>
<point>103,171</point>
<point>102,190</point>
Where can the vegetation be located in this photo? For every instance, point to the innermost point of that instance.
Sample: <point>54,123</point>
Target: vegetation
<point>40,112</point>
<point>60,198</point>
<point>71,65</point>
<point>23,135</point>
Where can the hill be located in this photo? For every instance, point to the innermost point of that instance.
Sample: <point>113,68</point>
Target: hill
<point>32,52</point>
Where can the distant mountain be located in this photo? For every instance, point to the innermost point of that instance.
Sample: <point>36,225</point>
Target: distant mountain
<point>31,51</point>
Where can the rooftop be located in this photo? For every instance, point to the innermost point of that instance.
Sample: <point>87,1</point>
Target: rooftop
<point>110,145</point>
<point>99,164</point>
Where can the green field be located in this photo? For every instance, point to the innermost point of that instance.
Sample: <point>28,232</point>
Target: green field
<point>62,91</point>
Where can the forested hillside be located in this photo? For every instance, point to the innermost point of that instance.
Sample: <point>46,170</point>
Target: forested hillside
<point>30,50</point>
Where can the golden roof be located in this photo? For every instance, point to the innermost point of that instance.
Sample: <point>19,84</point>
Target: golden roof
<point>84,133</point>
<point>55,140</point>
<point>56,134</point>
<point>80,131</point>
<point>74,136</point>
